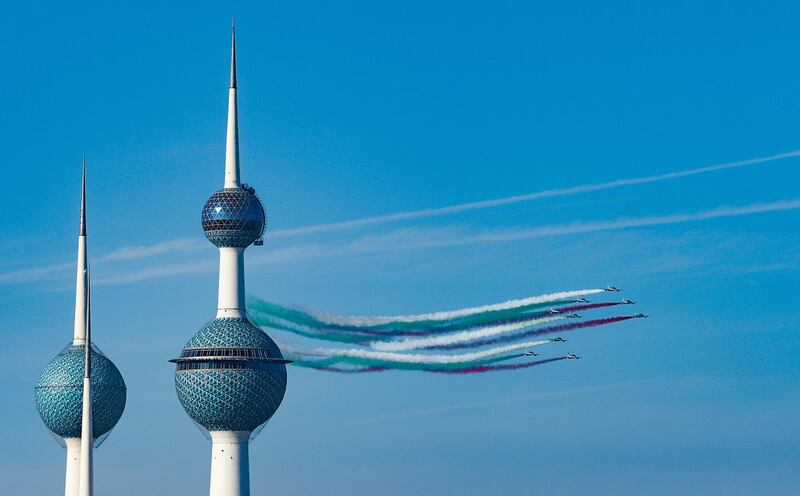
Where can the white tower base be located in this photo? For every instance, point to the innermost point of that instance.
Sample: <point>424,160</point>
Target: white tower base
<point>230,463</point>
<point>73,466</point>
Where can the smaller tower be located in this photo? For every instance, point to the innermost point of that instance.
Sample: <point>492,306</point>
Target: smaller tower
<point>60,389</point>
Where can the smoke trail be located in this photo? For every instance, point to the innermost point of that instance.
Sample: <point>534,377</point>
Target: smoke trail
<point>589,306</point>
<point>298,322</point>
<point>354,361</point>
<point>464,371</point>
<point>534,332</point>
<point>342,322</point>
<point>308,332</point>
<point>480,369</point>
<point>388,359</point>
<point>461,337</point>
<point>327,335</point>
<point>343,370</point>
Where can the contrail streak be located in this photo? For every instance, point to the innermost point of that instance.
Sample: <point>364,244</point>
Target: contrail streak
<point>274,315</point>
<point>353,361</point>
<point>589,306</point>
<point>382,358</point>
<point>534,332</point>
<point>461,337</point>
<point>446,315</point>
<point>468,370</point>
<point>479,369</point>
<point>586,188</point>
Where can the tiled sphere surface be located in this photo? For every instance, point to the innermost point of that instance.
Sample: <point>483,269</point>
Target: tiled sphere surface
<point>59,393</point>
<point>239,399</point>
<point>233,217</point>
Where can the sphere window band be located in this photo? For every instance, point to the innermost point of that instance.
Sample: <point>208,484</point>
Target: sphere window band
<point>243,354</point>
<point>230,365</point>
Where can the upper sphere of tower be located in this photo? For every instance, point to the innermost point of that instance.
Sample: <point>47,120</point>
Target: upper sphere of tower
<point>234,217</point>
<point>59,393</point>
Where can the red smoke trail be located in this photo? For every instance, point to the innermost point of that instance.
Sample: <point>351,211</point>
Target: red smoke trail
<point>479,369</point>
<point>562,311</point>
<point>533,332</point>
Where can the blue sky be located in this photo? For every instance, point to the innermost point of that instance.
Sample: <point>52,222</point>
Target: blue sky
<point>356,110</point>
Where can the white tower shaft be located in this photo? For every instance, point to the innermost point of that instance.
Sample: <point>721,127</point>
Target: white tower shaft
<point>86,479</point>
<point>230,301</point>
<point>230,464</point>
<point>79,334</point>
<point>72,482</point>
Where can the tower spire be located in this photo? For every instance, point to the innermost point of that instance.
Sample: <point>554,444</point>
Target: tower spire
<point>232,141</point>
<point>82,231</point>
<point>79,333</point>
<point>233,53</point>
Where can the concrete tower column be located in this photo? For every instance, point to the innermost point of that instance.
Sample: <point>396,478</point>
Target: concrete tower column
<point>86,479</point>
<point>78,337</point>
<point>230,463</point>
<point>230,302</point>
<point>73,466</point>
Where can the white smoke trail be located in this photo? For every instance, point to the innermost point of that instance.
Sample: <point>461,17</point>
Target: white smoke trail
<point>585,188</point>
<point>382,356</point>
<point>453,314</point>
<point>459,337</point>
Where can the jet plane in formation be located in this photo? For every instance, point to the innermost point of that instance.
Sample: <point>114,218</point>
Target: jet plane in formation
<point>553,311</point>
<point>581,300</point>
<point>558,340</point>
<point>628,302</point>
<point>570,356</point>
<point>574,316</point>
<point>530,353</point>
<point>612,289</point>
<point>640,316</point>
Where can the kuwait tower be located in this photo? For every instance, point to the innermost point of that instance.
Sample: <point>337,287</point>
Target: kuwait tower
<point>231,377</point>
<point>59,392</point>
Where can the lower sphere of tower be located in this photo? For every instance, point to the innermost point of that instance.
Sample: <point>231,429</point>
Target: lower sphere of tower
<point>231,382</point>
<point>59,393</point>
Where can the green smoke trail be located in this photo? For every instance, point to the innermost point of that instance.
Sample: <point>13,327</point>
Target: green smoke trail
<point>276,323</point>
<point>329,362</point>
<point>267,313</point>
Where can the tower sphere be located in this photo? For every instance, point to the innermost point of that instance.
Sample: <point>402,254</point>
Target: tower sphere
<point>59,393</point>
<point>234,217</point>
<point>230,376</point>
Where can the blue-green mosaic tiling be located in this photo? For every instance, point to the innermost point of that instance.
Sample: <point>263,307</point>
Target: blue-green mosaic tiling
<point>59,393</point>
<point>232,399</point>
